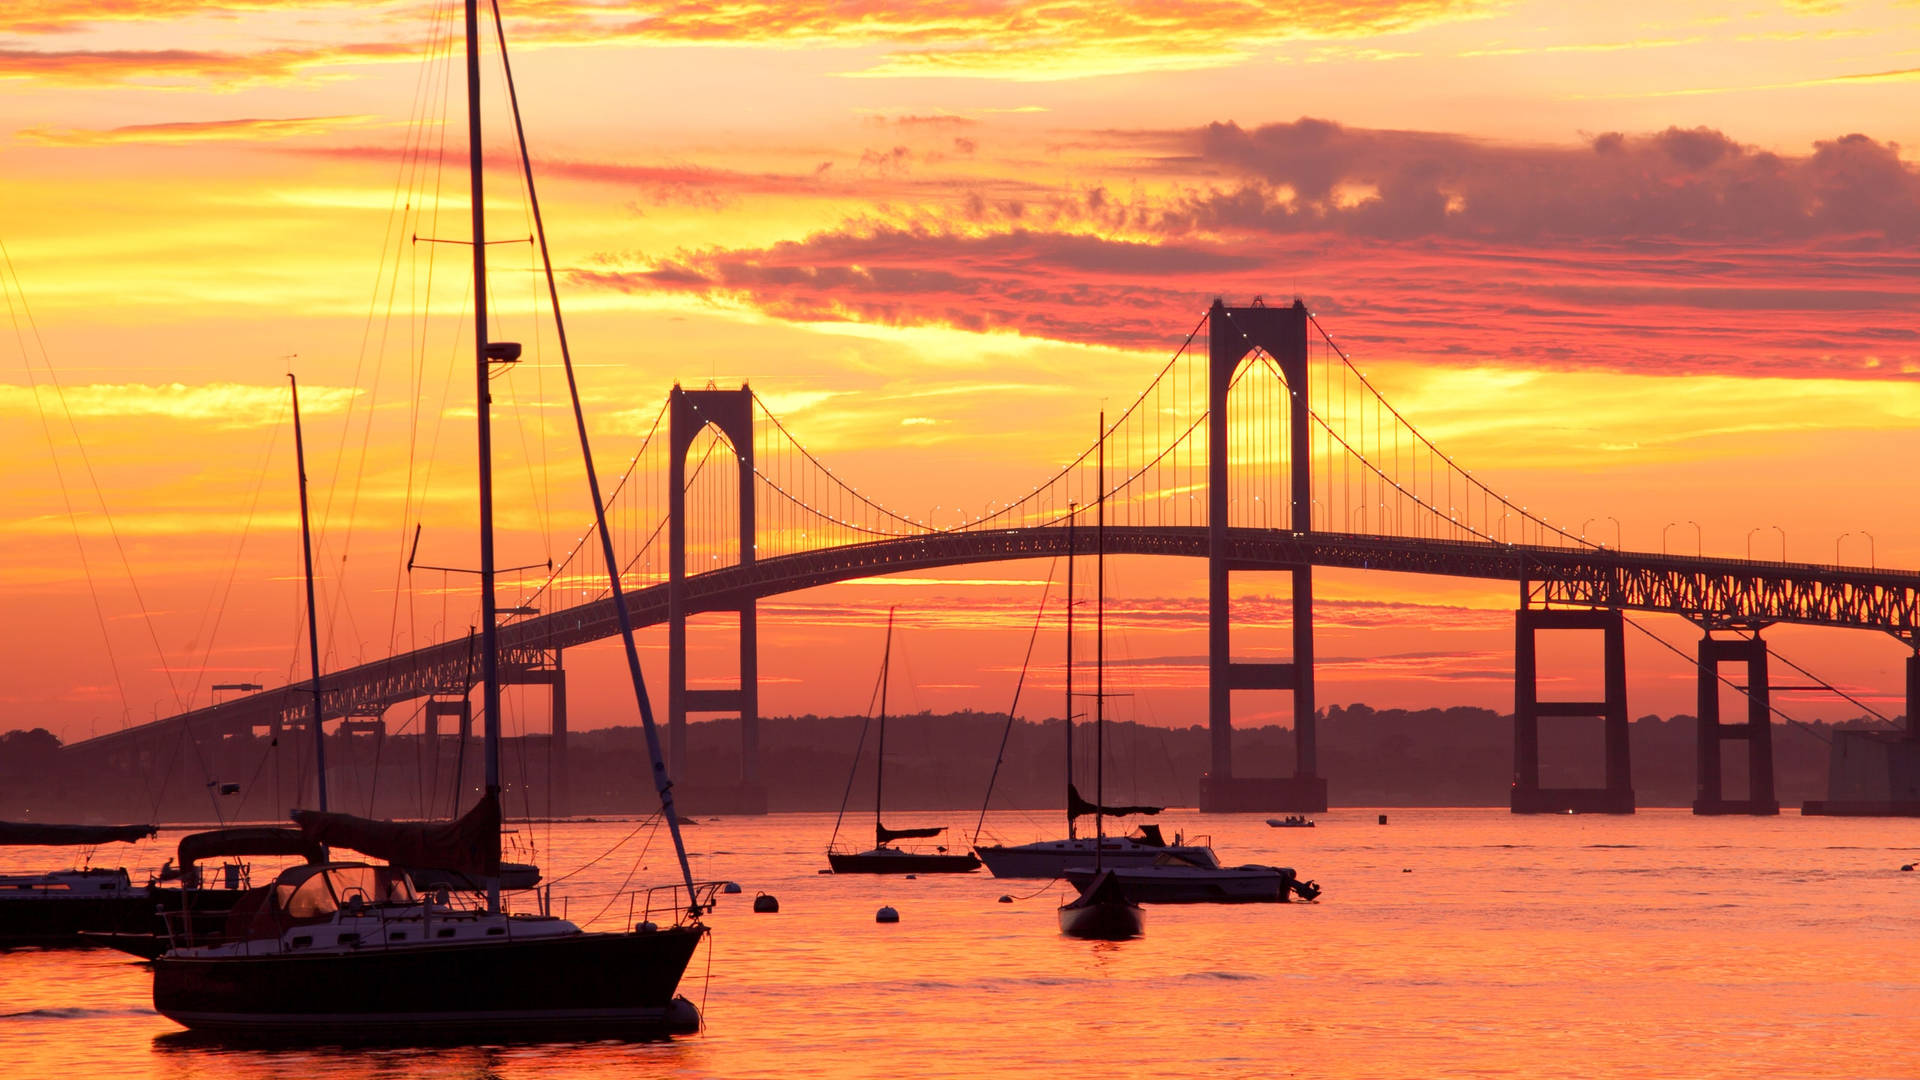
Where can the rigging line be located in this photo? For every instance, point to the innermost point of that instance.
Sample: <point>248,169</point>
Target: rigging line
<point>219,613</point>
<point>9,286</point>
<point>859,745</point>
<point>1683,654</point>
<point>416,368</point>
<point>634,869</point>
<point>1000,756</point>
<point>417,337</point>
<point>80,446</point>
<point>650,819</point>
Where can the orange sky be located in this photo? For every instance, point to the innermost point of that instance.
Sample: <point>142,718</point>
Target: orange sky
<point>1627,261</point>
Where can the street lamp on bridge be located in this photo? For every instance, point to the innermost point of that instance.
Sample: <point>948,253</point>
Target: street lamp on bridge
<point>1783,541</point>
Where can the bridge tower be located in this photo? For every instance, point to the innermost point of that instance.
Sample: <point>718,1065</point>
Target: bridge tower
<point>1527,796</point>
<point>1232,334</point>
<point>689,413</point>
<point>1757,731</point>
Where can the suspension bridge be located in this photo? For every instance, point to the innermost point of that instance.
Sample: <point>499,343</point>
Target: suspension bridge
<point>1260,447</point>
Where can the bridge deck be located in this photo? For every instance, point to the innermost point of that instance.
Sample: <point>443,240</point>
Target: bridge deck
<point>1712,591</point>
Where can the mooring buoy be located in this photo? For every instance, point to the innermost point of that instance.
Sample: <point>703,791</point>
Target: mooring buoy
<point>886,915</point>
<point>766,904</point>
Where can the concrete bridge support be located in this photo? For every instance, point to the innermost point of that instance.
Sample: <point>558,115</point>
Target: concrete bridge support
<point>1232,334</point>
<point>731,411</point>
<point>1528,797</point>
<point>560,776</point>
<point>1757,731</point>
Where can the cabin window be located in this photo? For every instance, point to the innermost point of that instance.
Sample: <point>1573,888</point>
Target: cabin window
<point>347,939</point>
<point>302,941</point>
<point>397,935</point>
<point>445,931</point>
<point>496,931</point>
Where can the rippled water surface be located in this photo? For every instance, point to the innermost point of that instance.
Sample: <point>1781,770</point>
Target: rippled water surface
<point>1449,943</point>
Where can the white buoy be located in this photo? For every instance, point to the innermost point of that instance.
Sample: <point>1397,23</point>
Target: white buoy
<point>886,915</point>
<point>730,887</point>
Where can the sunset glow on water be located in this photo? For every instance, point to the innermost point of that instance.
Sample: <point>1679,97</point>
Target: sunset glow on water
<point>1456,943</point>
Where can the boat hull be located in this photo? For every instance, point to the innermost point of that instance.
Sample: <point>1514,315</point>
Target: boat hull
<point>900,862</point>
<point>1051,858</point>
<point>607,985</point>
<point>1102,920</point>
<point>50,922</point>
<point>1157,885</point>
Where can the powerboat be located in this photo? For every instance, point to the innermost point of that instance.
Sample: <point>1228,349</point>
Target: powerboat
<point>1177,879</point>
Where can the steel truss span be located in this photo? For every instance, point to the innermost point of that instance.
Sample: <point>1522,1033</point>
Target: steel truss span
<point>1713,592</point>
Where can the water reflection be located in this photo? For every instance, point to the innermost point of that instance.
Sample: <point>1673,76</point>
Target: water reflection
<point>1657,945</point>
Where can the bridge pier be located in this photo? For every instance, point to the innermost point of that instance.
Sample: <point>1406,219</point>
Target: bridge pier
<point>1232,334</point>
<point>1528,797</point>
<point>689,413</point>
<point>554,678</point>
<point>1757,731</point>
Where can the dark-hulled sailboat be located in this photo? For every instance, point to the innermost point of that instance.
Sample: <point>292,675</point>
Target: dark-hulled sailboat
<point>349,951</point>
<point>883,857</point>
<point>1102,910</point>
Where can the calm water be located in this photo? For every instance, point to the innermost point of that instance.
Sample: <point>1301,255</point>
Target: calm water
<point>1449,943</point>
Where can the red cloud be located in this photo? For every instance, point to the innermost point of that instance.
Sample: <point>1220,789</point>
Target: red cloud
<point>1681,250</point>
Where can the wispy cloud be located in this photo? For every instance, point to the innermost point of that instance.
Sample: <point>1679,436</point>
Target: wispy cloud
<point>193,131</point>
<point>224,405</point>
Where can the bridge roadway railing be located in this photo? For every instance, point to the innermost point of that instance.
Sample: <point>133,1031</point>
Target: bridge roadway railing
<point>1710,591</point>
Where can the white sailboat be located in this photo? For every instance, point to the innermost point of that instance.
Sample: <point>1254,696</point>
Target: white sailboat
<point>1051,858</point>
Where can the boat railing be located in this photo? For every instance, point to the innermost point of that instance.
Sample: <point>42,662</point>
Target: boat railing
<point>672,900</point>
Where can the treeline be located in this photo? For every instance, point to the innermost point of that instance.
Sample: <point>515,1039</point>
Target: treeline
<point>1387,757</point>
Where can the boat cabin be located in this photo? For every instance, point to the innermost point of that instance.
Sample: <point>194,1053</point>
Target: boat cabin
<point>302,895</point>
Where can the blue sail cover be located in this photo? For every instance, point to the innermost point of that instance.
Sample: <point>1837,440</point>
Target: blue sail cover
<point>24,834</point>
<point>1077,806</point>
<point>884,835</point>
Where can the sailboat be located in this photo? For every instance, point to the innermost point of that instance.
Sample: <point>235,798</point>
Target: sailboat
<point>350,950</point>
<point>56,907</point>
<point>884,858</point>
<point>1051,858</point>
<point>1103,910</point>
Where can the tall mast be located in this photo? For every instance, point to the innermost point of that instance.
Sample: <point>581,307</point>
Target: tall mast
<point>1072,511</point>
<point>662,783</point>
<point>313,616</point>
<point>880,755</point>
<point>1100,653</point>
<point>483,410</point>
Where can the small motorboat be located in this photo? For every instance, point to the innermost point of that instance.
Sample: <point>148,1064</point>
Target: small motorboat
<point>1291,821</point>
<point>1178,879</point>
<point>1102,911</point>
